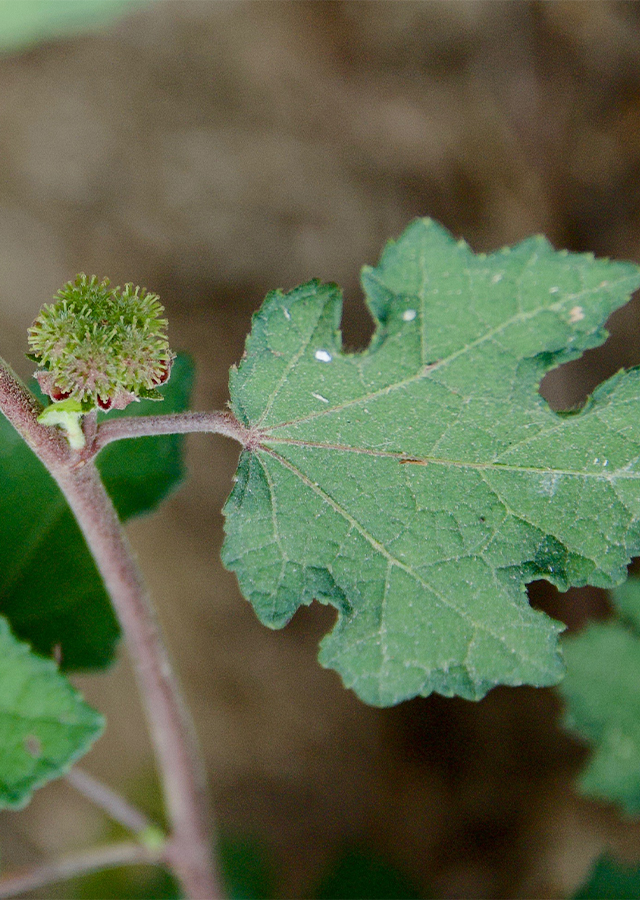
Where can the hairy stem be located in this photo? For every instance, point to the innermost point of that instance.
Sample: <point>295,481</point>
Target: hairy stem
<point>189,849</point>
<point>90,426</point>
<point>223,423</point>
<point>95,860</point>
<point>22,409</point>
<point>108,800</point>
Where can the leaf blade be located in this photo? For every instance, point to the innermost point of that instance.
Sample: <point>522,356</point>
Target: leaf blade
<point>44,723</point>
<point>432,499</point>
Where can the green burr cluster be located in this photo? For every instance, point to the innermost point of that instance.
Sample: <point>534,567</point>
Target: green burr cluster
<point>102,347</point>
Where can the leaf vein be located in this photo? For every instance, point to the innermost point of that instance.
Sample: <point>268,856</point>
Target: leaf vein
<point>382,550</point>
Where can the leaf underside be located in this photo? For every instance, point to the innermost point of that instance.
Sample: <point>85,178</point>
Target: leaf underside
<point>601,691</point>
<point>44,723</point>
<point>418,486</point>
<point>50,589</point>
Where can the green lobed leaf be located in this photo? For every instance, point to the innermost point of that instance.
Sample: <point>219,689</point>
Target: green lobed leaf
<point>601,691</point>
<point>419,485</point>
<point>50,589</point>
<point>44,723</point>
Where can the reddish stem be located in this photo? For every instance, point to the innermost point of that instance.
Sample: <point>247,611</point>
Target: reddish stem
<point>95,860</point>
<point>108,800</point>
<point>177,423</point>
<point>22,409</point>
<point>189,850</point>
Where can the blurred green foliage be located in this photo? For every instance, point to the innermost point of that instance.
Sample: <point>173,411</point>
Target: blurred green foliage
<point>24,23</point>
<point>610,880</point>
<point>361,875</point>
<point>601,692</point>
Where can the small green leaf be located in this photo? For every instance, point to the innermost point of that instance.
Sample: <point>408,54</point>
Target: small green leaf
<point>50,589</point>
<point>44,723</point>
<point>420,485</point>
<point>610,880</point>
<point>602,695</point>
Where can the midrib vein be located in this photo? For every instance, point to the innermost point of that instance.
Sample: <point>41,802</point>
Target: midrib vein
<point>407,459</point>
<point>424,370</point>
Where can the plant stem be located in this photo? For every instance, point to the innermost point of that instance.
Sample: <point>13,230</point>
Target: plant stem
<point>108,800</point>
<point>189,849</point>
<point>90,426</point>
<point>95,860</point>
<point>178,423</point>
<point>22,409</point>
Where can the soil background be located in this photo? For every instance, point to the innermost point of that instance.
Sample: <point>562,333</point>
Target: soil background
<point>213,151</point>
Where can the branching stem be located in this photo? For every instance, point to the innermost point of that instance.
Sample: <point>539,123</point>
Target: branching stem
<point>223,423</point>
<point>109,801</point>
<point>189,849</point>
<point>95,860</point>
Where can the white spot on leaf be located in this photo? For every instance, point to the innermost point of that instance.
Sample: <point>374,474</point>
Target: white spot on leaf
<point>323,355</point>
<point>576,314</point>
<point>409,315</point>
<point>319,397</point>
<point>549,484</point>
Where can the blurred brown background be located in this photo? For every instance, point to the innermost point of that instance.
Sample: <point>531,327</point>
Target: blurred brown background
<point>213,151</point>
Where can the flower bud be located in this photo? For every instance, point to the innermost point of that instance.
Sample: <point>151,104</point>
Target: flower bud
<point>103,347</point>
